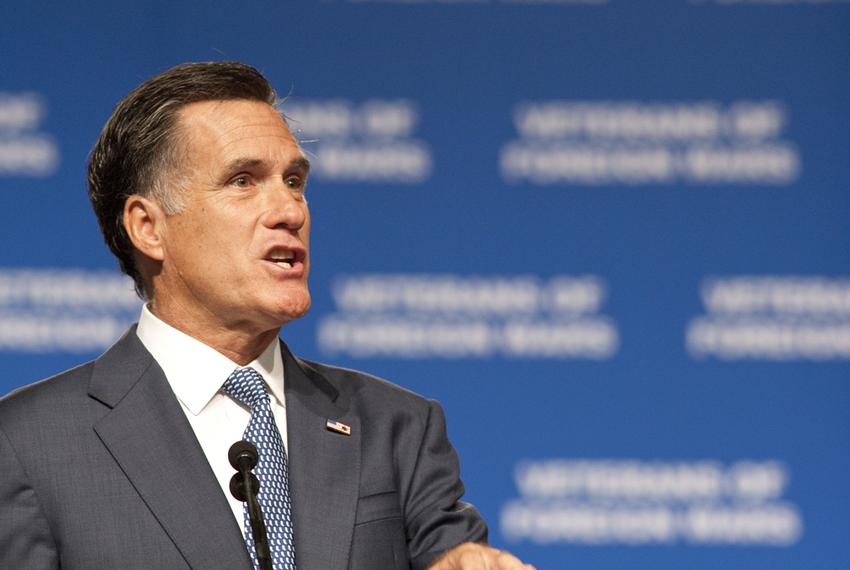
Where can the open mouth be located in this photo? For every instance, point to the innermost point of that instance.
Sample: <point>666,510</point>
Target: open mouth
<point>285,258</point>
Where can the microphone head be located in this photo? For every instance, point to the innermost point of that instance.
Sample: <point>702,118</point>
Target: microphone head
<point>243,455</point>
<point>237,486</point>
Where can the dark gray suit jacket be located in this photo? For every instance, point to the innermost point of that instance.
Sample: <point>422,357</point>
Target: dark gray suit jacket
<point>100,469</point>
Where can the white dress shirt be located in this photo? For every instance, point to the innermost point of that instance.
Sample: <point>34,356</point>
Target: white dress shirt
<point>196,373</point>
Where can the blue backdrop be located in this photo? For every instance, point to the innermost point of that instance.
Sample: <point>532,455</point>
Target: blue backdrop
<point>610,237</point>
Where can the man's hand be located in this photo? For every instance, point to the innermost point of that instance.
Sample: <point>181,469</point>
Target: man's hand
<point>473,556</point>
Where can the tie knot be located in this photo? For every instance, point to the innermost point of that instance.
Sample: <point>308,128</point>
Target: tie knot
<point>246,386</point>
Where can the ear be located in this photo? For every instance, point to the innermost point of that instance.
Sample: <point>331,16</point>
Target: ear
<point>144,221</point>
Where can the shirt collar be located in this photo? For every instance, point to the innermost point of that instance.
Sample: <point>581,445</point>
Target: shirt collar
<point>196,371</point>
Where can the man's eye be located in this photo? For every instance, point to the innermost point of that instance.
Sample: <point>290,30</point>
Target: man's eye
<point>241,181</point>
<point>294,182</point>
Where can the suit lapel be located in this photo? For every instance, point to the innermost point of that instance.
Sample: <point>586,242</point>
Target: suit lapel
<point>324,467</point>
<point>150,438</point>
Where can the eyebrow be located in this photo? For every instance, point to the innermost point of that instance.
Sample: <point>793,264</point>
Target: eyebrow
<point>240,164</point>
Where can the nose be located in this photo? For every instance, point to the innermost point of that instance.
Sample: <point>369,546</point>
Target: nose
<point>284,208</point>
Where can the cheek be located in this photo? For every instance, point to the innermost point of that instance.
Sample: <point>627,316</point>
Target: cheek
<point>212,245</point>
<point>305,229</point>
<point>185,237</point>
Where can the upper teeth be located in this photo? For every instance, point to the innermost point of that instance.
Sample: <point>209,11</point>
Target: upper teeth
<point>283,259</point>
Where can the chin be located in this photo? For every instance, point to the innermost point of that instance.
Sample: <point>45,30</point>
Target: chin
<point>293,309</point>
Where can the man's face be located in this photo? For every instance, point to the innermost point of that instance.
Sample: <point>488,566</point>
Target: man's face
<point>237,254</point>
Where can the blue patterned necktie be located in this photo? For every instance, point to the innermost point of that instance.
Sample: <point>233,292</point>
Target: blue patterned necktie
<point>246,386</point>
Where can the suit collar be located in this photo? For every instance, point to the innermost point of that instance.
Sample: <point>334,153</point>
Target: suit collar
<point>324,466</point>
<point>150,438</point>
<point>119,368</point>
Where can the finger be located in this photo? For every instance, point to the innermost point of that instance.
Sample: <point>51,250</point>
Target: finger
<point>506,561</point>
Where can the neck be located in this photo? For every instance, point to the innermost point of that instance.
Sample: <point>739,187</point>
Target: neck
<point>237,341</point>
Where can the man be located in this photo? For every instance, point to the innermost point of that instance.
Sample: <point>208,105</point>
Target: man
<point>198,187</point>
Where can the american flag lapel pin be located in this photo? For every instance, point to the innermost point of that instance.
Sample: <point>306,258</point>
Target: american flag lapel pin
<point>338,427</point>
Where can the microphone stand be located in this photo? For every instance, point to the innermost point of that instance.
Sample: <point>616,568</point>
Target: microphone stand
<point>245,486</point>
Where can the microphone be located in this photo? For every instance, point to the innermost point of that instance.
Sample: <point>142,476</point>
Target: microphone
<point>239,489</point>
<point>243,455</point>
<point>244,486</point>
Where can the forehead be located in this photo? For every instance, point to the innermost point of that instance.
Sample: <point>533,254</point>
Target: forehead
<point>223,129</point>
